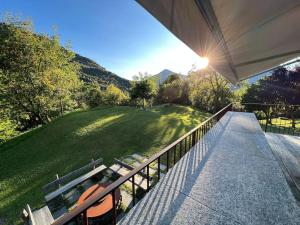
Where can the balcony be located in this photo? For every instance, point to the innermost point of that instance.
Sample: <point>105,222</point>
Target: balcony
<point>231,176</point>
<point>227,170</point>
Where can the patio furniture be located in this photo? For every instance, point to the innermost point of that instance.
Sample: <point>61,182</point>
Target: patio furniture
<point>57,187</point>
<point>104,205</point>
<point>62,184</point>
<point>40,216</point>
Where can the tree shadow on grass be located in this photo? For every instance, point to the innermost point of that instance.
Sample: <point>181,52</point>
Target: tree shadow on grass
<point>161,205</point>
<point>30,161</point>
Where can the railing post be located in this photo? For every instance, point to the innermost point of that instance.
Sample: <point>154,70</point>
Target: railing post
<point>180,149</point>
<point>158,168</point>
<point>167,160</point>
<point>133,191</point>
<point>148,178</point>
<point>194,138</point>
<point>267,118</point>
<point>85,219</point>
<point>174,155</point>
<point>114,207</point>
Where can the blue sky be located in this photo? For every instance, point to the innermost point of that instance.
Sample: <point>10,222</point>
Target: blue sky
<point>118,34</point>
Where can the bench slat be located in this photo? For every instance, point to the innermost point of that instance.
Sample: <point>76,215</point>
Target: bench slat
<point>62,180</point>
<point>43,216</point>
<point>73,183</point>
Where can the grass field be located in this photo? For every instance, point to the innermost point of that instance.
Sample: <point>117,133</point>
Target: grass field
<point>282,125</point>
<point>32,159</point>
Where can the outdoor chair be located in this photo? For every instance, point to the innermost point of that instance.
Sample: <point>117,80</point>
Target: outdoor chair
<point>43,216</point>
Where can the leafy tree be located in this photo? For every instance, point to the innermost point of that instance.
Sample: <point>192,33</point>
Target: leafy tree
<point>282,87</point>
<point>143,89</point>
<point>93,95</point>
<point>174,90</point>
<point>240,90</point>
<point>209,90</point>
<point>172,78</point>
<point>7,126</point>
<point>37,76</point>
<point>114,96</point>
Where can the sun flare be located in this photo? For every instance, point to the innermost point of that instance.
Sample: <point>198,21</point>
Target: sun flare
<point>202,63</point>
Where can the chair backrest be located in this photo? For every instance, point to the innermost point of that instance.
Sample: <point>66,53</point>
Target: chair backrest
<point>60,181</point>
<point>29,216</point>
<point>40,216</point>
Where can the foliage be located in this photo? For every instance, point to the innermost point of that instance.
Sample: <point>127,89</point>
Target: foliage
<point>174,90</point>
<point>93,94</point>
<point>114,96</point>
<point>172,78</point>
<point>241,90</point>
<point>7,127</point>
<point>71,141</point>
<point>283,86</point>
<point>37,75</point>
<point>143,89</point>
<point>209,90</point>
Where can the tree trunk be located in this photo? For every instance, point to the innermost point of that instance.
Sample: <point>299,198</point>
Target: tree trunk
<point>61,107</point>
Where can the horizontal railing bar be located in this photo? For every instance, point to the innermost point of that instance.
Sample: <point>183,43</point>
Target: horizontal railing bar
<point>266,104</point>
<point>91,201</point>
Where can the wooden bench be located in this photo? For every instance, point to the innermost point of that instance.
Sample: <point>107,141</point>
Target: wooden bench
<point>62,184</point>
<point>57,187</point>
<point>41,216</point>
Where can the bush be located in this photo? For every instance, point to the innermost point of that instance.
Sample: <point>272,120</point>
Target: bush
<point>94,96</point>
<point>114,96</point>
<point>7,129</point>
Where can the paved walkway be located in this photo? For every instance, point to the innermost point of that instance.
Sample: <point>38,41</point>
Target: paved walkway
<point>287,150</point>
<point>230,177</point>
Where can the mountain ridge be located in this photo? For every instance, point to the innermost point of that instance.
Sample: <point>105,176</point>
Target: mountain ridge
<point>163,75</point>
<point>90,71</point>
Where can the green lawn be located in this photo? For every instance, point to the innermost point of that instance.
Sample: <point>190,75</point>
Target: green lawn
<point>281,125</point>
<point>32,159</point>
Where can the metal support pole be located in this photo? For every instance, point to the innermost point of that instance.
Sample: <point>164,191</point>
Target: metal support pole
<point>158,168</point>
<point>114,207</point>
<point>133,191</point>
<point>148,178</point>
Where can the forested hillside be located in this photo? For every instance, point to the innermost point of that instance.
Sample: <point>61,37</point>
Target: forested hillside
<point>92,72</point>
<point>41,79</point>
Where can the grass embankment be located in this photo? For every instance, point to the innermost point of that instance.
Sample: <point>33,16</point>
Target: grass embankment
<point>32,159</point>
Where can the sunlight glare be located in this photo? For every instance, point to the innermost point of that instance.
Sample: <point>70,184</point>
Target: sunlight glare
<point>202,63</point>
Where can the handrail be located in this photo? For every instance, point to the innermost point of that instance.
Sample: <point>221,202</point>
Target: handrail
<point>270,121</point>
<point>113,186</point>
<point>266,104</point>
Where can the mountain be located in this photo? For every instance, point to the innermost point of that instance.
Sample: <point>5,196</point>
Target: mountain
<point>91,71</point>
<point>163,75</point>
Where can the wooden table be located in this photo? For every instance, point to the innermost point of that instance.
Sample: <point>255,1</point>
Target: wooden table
<point>104,205</point>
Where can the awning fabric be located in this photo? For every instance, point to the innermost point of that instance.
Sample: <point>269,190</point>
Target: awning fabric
<point>240,37</point>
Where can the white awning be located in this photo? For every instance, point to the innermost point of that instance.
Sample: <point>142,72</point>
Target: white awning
<point>239,37</point>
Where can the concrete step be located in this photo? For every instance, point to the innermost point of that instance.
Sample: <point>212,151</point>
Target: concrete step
<point>138,180</point>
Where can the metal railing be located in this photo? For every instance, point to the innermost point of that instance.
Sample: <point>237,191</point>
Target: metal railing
<point>275,118</point>
<point>169,155</point>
